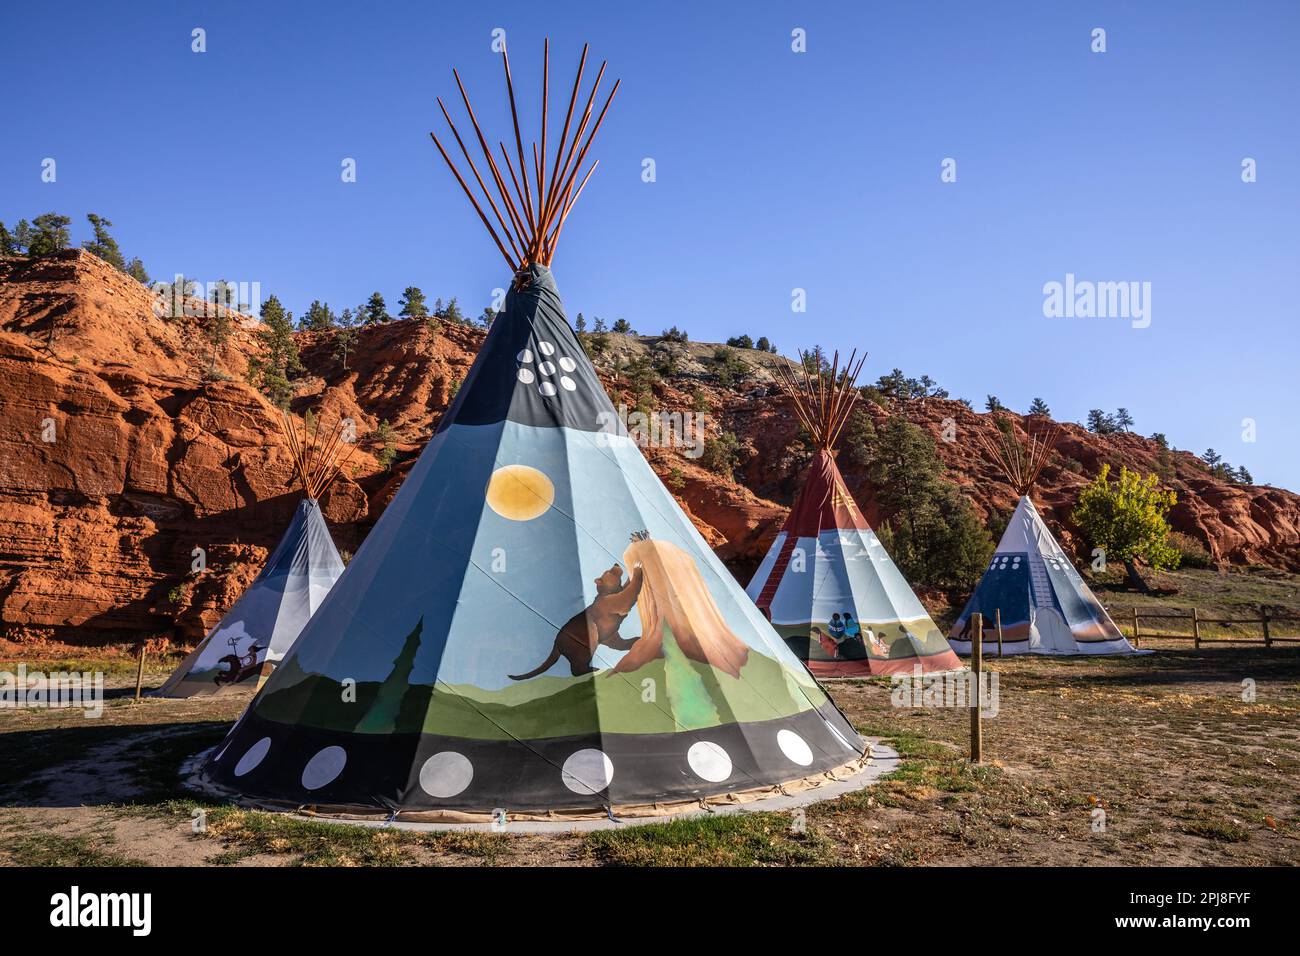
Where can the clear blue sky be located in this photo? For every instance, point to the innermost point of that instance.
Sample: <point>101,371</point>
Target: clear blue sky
<point>776,170</point>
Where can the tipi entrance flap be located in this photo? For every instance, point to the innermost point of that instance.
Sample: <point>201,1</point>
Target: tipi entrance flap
<point>1050,634</point>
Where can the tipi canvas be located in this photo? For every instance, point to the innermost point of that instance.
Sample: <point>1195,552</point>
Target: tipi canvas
<point>259,628</point>
<point>1045,606</point>
<point>533,625</point>
<point>827,584</point>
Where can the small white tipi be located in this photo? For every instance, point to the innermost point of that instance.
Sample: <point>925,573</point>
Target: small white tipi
<point>1046,607</point>
<point>240,652</point>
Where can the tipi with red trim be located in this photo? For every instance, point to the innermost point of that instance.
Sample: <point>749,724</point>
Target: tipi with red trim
<point>827,584</point>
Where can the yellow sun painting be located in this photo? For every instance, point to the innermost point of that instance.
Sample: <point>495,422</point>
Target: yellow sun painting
<point>520,493</point>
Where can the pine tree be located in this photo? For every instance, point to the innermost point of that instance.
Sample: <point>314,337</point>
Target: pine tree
<point>859,438</point>
<point>1099,423</point>
<point>51,234</point>
<point>452,313</point>
<point>992,404</point>
<point>1123,420</point>
<point>223,295</point>
<point>382,436</point>
<point>412,304</point>
<point>135,269</point>
<point>488,317</point>
<point>7,245</point>
<point>275,368</point>
<point>216,330</point>
<point>1244,476</point>
<point>22,236</point>
<point>319,317</point>
<point>815,361</point>
<point>1039,407</point>
<point>376,310</point>
<point>580,324</point>
<point>622,327</point>
<point>1212,457</point>
<point>763,345</point>
<point>104,245</point>
<point>936,537</point>
<point>345,339</point>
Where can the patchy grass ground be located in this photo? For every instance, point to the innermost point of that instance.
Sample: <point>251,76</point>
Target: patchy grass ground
<point>1155,760</point>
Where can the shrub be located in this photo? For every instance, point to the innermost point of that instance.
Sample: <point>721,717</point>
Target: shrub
<point>1194,554</point>
<point>722,455</point>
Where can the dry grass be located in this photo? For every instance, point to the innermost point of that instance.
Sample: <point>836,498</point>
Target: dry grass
<point>1163,747</point>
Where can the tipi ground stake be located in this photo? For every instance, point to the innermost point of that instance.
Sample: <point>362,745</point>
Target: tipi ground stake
<point>976,666</point>
<point>139,673</point>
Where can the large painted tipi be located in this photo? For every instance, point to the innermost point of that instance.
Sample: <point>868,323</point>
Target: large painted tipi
<point>246,644</point>
<point>533,625</point>
<point>1045,606</point>
<point>827,584</point>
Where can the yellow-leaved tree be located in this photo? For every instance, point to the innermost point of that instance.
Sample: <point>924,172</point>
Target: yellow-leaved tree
<point>1127,520</point>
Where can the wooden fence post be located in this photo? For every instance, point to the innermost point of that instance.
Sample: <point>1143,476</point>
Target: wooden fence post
<point>139,673</point>
<point>1196,629</point>
<point>1136,634</point>
<point>976,665</point>
<point>998,620</point>
<point>1268,637</point>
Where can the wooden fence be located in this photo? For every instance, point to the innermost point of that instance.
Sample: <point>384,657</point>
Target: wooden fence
<point>1267,621</point>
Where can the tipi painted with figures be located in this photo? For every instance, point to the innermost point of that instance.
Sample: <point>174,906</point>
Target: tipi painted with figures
<point>1045,605</point>
<point>827,584</point>
<point>252,637</point>
<point>533,625</point>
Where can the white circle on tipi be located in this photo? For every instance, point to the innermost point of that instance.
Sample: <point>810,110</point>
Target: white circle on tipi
<point>794,747</point>
<point>547,389</point>
<point>587,771</point>
<point>252,756</point>
<point>547,368</point>
<point>567,363</point>
<point>324,767</point>
<point>567,383</point>
<point>525,355</point>
<point>526,376</point>
<point>546,348</point>
<point>446,774</point>
<point>709,761</point>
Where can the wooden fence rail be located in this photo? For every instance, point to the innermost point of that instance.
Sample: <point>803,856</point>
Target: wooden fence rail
<point>1265,621</point>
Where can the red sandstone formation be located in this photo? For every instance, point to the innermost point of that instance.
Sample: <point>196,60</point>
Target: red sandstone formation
<point>120,454</point>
